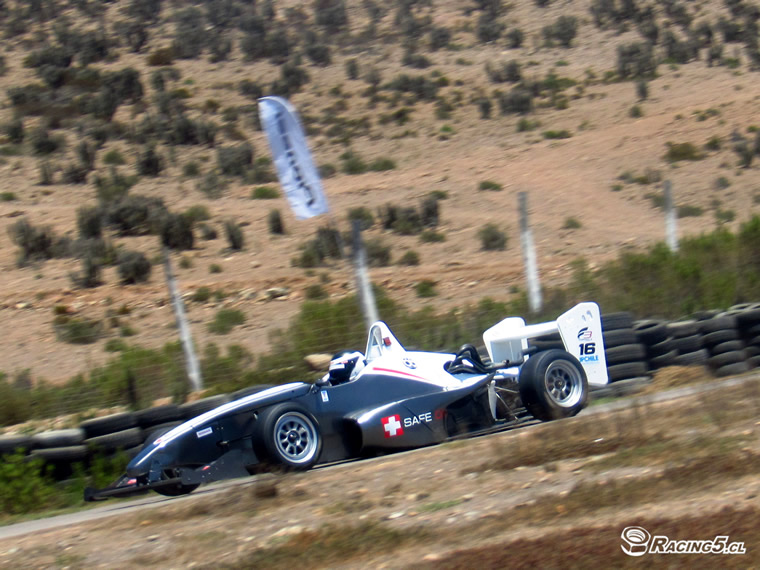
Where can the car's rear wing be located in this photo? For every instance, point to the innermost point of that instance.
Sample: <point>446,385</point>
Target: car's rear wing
<point>580,329</point>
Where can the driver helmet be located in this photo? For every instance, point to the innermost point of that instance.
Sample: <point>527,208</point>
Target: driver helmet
<point>345,366</point>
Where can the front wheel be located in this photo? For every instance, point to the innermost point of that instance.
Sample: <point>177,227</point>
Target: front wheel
<point>289,436</point>
<point>553,385</point>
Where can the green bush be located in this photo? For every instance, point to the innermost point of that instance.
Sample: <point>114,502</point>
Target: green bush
<point>572,224</point>
<point>76,330</point>
<point>197,213</point>
<point>23,484</point>
<point>35,243</point>
<point>489,185</point>
<point>381,164</point>
<point>353,163</point>
<point>225,320</point>
<point>177,232</point>
<point>315,292</point>
<point>7,196</point>
<point>201,295</point>
<point>688,211</point>
<point>91,272</point>
<point>234,234</point>
<point>431,236</point>
<point>212,185</point>
<point>264,193</point>
<point>274,222</point>
<point>234,160</point>
<point>214,268</point>
<point>136,215</point>
<point>682,151</point>
<point>133,267</point>
<point>361,215</point>
<point>492,238</point>
<point>410,257</point>
<point>425,288</point>
<point>562,134</point>
<point>191,169</point>
<point>149,162</point>
<point>378,253</point>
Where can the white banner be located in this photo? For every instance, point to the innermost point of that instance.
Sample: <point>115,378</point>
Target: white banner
<point>298,175</point>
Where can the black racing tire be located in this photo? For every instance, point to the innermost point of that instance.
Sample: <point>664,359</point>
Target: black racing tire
<point>663,360</point>
<point>553,385</point>
<point>718,323</point>
<point>681,329</point>
<point>732,369</point>
<point>728,346</point>
<point>108,424</point>
<point>686,344</point>
<point>695,358</point>
<point>194,409</point>
<point>650,332</point>
<point>619,337</point>
<point>625,353</point>
<point>68,454</point>
<point>753,361</point>
<point>58,438</point>
<point>627,370</point>
<point>661,348</point>
<point>110,442</point>
<point>156,415</point>
<point>749,316</point>
<point>725,358</point>
<point>716,337</point>
<point>288,435</point>
<point>10,444</point>
<point>753,331</point>
<point>615,321</point>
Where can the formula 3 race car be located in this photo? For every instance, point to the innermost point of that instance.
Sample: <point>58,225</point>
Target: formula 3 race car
<point>386,399</point>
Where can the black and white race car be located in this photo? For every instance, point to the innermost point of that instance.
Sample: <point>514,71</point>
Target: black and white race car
<point>383,400</point>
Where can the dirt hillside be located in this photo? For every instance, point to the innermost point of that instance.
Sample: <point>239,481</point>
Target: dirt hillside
<point>582,199</point>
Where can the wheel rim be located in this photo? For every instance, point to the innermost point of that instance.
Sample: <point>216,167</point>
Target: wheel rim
<point>564,383</point>
<point>295,437</point>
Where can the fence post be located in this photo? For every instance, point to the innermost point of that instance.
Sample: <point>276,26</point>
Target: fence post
<point>529,256</point>
<point>363,284</point>
<point>191,360</point>
<point>671,229</point>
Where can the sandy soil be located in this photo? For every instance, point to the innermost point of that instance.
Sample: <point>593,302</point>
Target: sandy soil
<point>437,505</point>
<point>568,178</point>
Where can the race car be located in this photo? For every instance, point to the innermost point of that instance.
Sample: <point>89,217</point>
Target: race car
<point>386,399</point>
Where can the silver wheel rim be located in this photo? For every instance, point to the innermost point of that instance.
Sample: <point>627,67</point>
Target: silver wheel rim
<point>295,437</point>
<point>564,383</point>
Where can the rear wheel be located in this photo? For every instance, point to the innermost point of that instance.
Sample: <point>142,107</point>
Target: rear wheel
<point>290,436</point>
<point>553,385</point>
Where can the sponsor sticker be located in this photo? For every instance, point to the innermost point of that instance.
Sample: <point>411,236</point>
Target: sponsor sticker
<point>637,541</point>
<point>585,334</point>
<point>204,432</point>
<point>409,363</point>
<point>325,396</point>
<point>392,426</point>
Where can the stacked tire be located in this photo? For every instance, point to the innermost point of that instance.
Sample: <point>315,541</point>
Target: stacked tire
<point>686,339</point>
<point>625,355</point>
<point>724,344</point>
<point>656,338</point>
<point>748,323</point>
<point>60,450</point>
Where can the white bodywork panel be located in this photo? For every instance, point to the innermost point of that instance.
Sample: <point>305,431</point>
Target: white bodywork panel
<point>580,329</point>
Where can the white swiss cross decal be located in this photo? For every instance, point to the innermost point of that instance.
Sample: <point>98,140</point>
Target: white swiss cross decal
<point>392,426</point>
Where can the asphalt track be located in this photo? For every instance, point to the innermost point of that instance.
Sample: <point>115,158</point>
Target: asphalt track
<point>152,501</point>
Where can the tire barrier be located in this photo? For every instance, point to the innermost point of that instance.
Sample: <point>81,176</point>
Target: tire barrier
<point>66,452</point>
